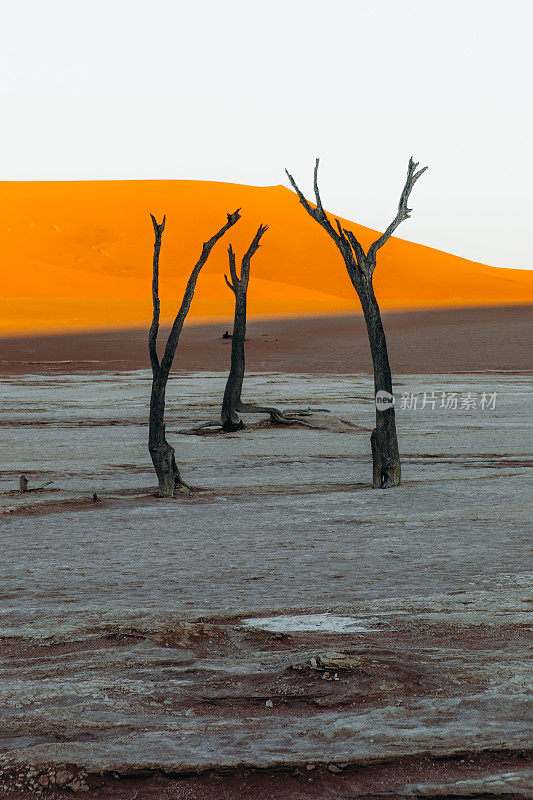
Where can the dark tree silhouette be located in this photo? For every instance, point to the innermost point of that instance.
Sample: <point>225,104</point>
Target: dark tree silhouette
<point>232,403</point>
<point>360,267</point>
<point>163,458</point>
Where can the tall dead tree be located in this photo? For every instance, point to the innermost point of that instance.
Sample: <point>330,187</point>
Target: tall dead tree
<point>163,458</point>
<point>232,403</point>
<point>360,267</point>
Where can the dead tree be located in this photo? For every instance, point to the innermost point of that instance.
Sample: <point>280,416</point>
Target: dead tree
<point>232,403</point>
<point>163,458</point>
<point>360,267</point>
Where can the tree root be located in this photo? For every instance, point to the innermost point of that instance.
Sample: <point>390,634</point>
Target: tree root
<point>24,485</point>
<point>278,417</point>
<point>293,416</point>
<point>182,487</point>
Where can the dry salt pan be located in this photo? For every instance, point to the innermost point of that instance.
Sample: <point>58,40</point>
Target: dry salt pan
<point>324,623</point>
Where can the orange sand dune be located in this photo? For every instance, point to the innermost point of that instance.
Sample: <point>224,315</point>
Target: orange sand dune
<point>77,256</point>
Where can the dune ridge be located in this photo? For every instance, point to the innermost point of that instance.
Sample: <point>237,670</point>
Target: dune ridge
<point>77,256</point>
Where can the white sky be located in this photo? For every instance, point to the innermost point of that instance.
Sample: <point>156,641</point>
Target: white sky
<point>235,90</point>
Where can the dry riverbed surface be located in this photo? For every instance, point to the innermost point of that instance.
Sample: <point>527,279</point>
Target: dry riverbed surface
<point>284,631</point>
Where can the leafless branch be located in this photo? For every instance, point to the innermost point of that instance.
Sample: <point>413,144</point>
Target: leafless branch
<point>303,201</point>
<point>172,342</point>
<point>403,212</point>
<point>232,267</point>
<point>254,246</point>
<point>318,213</point>
<point>356,247</point>
<point>319,205</point>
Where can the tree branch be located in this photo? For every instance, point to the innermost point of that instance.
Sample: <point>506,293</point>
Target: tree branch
<point>232,267</point>
<point>303,201</point>
<point>318,213</point>
<point>231,286</point>
<point>347,238</point>
<point>172,342</point>
<point>254,246</point>
<point>154,327</point>
<point>403,211</point>
<point>319,205</point>
<point>360,256</point>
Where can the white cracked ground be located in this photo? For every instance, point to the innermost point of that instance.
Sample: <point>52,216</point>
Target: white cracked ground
<point>288,525</point>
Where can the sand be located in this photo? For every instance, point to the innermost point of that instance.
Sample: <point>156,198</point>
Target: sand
<point>451,340</point>
<point>78,256</point>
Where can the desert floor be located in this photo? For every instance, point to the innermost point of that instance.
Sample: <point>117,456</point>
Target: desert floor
<point>445,340</point>
<point>284,631</point>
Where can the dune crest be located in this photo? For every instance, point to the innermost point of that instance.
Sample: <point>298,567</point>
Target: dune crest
<point>77,256</point>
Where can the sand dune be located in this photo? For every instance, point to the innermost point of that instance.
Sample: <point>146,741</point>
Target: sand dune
<point>77,256</point>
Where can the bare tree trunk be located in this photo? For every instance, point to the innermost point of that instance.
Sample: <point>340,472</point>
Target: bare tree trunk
<point>163,456</point>
<point>383,440</point>
<point>360,267</point>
